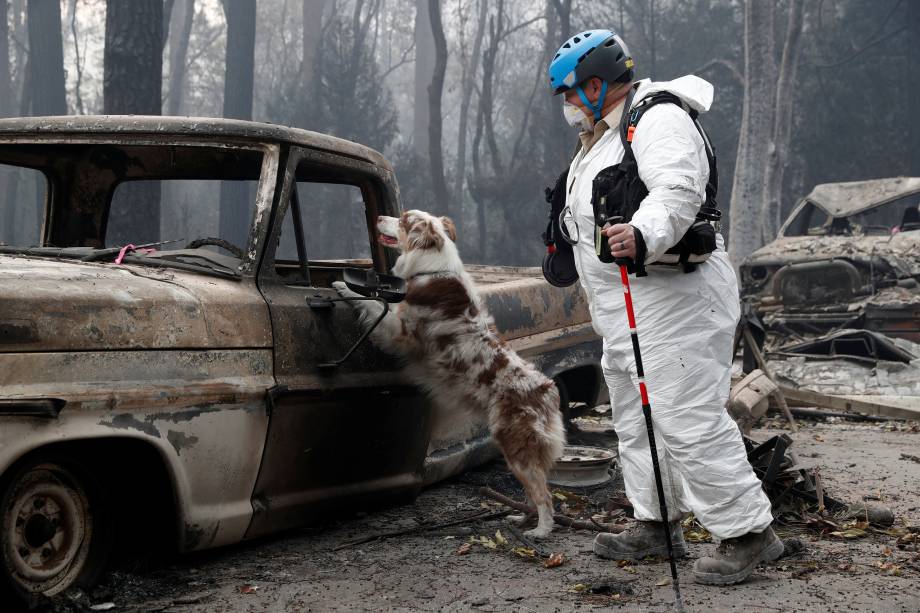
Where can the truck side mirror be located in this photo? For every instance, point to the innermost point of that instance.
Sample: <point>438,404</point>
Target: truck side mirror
<point>384,289</point>
<point>368,282</point>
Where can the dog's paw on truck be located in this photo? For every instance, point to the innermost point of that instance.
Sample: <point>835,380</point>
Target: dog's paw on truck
<point>165,310</point>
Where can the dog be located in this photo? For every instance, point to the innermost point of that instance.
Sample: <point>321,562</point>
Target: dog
<point>452,351</point>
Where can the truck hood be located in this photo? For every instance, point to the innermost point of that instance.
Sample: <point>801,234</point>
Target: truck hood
<point>51,304</point>
<point>899,250</point>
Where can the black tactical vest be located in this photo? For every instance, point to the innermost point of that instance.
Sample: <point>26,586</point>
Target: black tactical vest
<point>617,191</point>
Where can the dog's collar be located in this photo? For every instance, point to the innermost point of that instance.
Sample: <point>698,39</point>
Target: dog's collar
<point>430,273</point>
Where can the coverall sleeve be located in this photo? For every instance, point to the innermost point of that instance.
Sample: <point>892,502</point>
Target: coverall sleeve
<point>672,163</point>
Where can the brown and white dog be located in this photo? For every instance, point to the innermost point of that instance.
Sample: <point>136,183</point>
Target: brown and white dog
<point>453,352</point>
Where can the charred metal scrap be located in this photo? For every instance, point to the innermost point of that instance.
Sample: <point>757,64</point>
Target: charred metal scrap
<point>798,497</point>
<point>784,479</point>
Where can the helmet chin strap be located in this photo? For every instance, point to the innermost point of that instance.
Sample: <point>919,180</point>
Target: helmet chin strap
<point>600,100</point>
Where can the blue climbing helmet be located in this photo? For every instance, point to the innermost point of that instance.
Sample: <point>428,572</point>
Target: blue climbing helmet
<point>593,53</point>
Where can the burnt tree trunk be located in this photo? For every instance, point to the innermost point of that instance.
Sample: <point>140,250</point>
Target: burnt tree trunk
<point>913,86</point>
<point>757,115</point>
<point>46,58</point>
<point>6,85</point>
<point>486,101</point>
<point>167,17</point>
<point>469,66</point>
<point>435,124</point>
<point>558,138</point>
<point>564,13</point>
<point>313,11</point>
<point>12,185</point>
<point>133,57</point>
<point>46,65</point>
<point>240,60</point>
<point>133,84</point>
<point>772,209</point>
<point>184,13</point>
<point>424,69</point>
<point>6,108</point>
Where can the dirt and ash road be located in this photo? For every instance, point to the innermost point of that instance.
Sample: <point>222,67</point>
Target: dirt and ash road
<point>470,567</point>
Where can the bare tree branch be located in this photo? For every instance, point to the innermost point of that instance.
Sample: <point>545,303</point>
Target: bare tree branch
<point>405,59</point>
<point>876,38</point>
<point>215,35</point>
<point>509,32</point>
<point>861,50</point>
<point>727,64</point>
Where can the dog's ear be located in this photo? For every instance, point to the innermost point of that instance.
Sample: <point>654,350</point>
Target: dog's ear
<point>405,221</point>
<point>449,228</point>
<point>421,232</point>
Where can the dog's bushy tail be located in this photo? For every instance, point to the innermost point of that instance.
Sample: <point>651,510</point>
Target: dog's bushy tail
<point>555,429</point>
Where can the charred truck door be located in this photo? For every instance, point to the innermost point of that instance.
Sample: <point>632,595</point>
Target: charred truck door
<point>354,434</point>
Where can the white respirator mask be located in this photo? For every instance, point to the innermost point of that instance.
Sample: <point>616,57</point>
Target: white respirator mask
<point>576,118</point>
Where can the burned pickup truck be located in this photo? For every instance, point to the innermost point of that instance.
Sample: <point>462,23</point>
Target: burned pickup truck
<point>848,256</point>
<point>171,349</point>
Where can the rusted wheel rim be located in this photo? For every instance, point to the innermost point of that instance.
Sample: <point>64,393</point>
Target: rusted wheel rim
<point>48,526</point>
<point>582,467</point>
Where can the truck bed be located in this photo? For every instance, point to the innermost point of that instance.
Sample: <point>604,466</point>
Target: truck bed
<point>524,304</point>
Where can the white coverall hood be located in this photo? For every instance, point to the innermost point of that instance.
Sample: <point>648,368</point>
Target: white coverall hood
<point>696,92</point>
<point>685,323</point>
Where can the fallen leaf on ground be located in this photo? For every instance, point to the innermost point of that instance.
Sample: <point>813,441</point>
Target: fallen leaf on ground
<point>559,496</point>
<point>694,532</point>
<point>889,568</point>
<point>818,438</point>
<point>464,549</point>
<point>556,559</point>
<point>897,531</point>
<point>249,589</point>
<point>663,581</point>
<point>485,542</point>
<point>846,567</point>
<point>851,533</point>
<point>499,539</point>
<point>579,587</point>
<point>525,552</point>
<point>697,536</point>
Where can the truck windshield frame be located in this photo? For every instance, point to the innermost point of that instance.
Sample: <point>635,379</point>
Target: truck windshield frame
<point>82,173</point>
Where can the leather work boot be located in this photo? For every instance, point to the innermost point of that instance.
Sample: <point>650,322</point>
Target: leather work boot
<point>642,539</point>
<point>736,558</point>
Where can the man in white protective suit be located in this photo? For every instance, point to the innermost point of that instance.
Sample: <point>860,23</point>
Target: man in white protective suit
<point>686,304</point>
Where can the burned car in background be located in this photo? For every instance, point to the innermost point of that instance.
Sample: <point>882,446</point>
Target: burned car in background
<point>171,347</point>
<point>847,257</point>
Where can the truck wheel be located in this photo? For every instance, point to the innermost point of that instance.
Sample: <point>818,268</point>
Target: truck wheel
<point>54,533</point>
<point>564,403</point>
